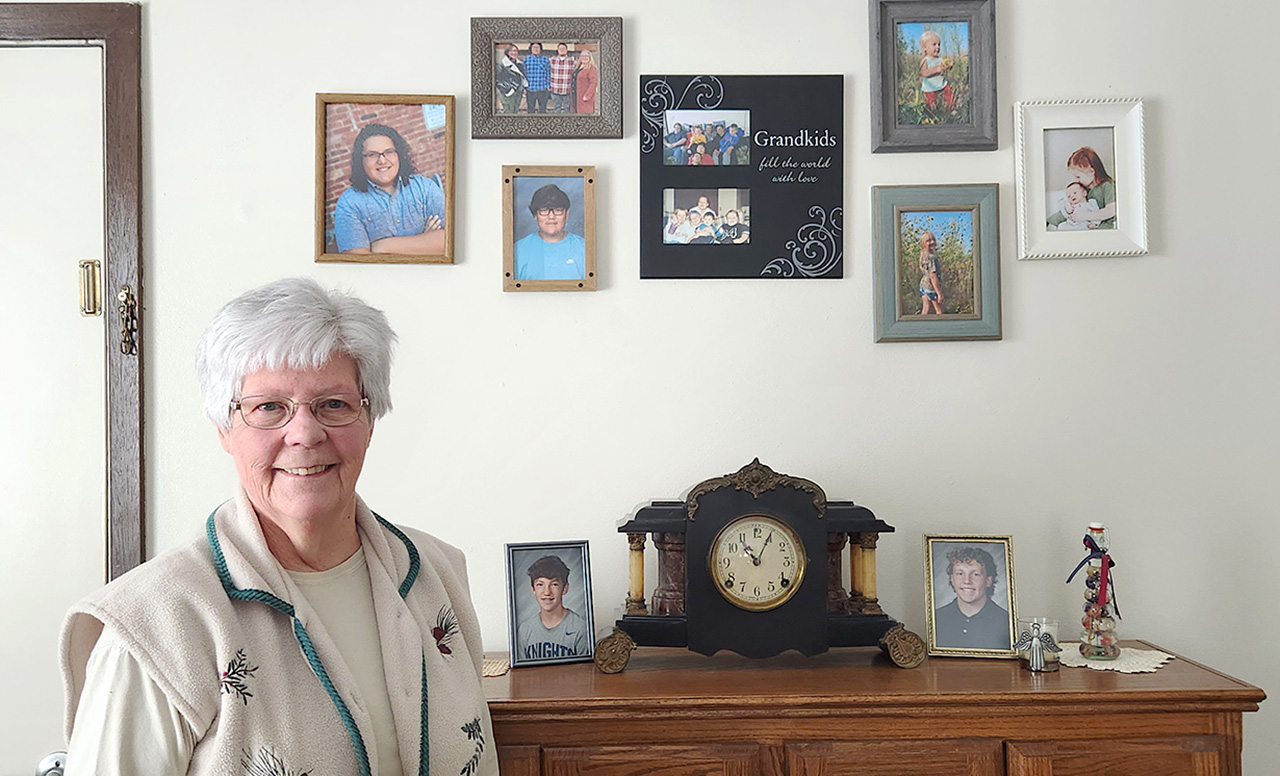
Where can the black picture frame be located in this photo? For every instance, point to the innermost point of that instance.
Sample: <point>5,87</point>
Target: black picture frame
<point>787,189</point>
<point>977,132</point>
<point>487,33</point>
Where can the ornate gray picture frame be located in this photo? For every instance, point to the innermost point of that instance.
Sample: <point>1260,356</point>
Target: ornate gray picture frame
<point>600,36</point>
<point>969,125</point>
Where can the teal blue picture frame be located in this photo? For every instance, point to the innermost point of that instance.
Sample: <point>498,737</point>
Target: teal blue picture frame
<point>889,205</point>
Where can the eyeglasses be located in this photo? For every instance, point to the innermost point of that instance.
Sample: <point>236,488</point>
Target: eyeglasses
<point>390,153</point>
<point>268,412</point>
<point>552,211</point>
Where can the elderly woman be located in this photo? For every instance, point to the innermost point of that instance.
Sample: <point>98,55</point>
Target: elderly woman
<point>302,633</point>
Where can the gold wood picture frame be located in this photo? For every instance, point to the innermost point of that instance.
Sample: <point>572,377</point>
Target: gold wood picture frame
<point>384,178</point>
<point>548,228</point>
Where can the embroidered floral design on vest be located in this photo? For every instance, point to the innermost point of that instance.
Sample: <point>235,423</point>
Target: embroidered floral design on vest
<point>474,733</point>
<point>446,627</point>
<point>234,679</point>
<point>266,763</point>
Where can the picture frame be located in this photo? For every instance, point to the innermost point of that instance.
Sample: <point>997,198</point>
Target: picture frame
<point>964,223</point>
<point>549,624</point>
<point>1056,142</point>
<point>355,220</point>
<point>965,576</point>
<point>952,109</point>
<point>492,117</point>
<point>532,199</point>
<point>766,190</point>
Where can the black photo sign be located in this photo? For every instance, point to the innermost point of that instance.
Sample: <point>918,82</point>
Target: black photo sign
<point>741,176</point>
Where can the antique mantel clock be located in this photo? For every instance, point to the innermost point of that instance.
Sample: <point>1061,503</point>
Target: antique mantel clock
<point>752,562</point>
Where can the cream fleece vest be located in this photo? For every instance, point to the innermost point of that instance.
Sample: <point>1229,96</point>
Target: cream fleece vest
<point>231,641</point>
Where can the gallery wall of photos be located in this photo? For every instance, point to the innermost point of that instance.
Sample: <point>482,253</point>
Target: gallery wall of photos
<point>743,176</point>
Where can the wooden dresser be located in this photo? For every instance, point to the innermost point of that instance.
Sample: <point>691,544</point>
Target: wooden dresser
<point>850,711</point>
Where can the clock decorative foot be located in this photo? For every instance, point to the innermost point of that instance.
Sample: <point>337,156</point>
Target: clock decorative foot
<point>904,648</point>
<point>613,652</point>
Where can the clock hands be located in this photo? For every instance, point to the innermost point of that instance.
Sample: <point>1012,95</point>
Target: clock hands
<point>755,557</point>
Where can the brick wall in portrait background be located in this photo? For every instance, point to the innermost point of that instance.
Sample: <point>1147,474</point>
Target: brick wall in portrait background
<point>343,121</point>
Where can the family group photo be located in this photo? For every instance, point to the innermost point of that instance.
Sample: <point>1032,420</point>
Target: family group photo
<point>706,216</point>
<point>706,137</point>
<point>558,77</point>
<point>933,73</point>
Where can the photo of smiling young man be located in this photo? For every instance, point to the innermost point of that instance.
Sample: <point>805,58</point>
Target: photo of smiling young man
<point>554,631</point>
<point>389,207</point>
<point>552,250</point>
<point>973,620</point>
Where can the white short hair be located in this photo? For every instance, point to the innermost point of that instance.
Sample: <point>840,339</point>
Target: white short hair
<point>293,323</point>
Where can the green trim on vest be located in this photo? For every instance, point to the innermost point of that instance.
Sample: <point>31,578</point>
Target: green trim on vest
<point>309,650</point>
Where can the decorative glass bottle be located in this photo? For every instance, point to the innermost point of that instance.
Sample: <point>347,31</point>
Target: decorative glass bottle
<point>1099,641</point>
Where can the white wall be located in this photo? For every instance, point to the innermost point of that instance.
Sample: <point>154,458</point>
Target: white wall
<point>1135,391</point>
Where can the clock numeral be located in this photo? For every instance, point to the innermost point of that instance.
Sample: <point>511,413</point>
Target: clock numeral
<point>729,581</point>
<point>757,532</point>
<point>757,590</point>
<point>786,583</point>
<point>786,562</point>
<point>742,537</point>
<point>733,548</point>
<point>782,545</point>
<point>771,587</point>
<point>725,562</point>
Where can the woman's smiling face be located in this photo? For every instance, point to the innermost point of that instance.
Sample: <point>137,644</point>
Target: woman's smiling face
<point>303,471</point>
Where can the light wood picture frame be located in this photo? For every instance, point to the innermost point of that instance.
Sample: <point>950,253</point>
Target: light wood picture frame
<point>533,198</point>
<point>1103,135</point>
<point>969,595</point>
<point>395,206</point>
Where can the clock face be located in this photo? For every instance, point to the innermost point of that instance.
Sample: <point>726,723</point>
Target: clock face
<point>757,562</point>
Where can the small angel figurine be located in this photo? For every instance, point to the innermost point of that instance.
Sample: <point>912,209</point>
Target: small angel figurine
<point>1036,642</point>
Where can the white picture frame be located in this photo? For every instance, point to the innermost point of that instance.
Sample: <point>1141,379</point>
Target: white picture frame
<point>1033,122</point>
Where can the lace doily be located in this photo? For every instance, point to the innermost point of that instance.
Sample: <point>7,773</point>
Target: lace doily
<point>495,666</point>
<point>1131,661</point>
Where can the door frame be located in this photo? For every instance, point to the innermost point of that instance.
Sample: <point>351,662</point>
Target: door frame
<point>116,28</point>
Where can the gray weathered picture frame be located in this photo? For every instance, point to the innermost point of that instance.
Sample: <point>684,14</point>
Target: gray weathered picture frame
<point>978,131</point>
<point>605,36</point>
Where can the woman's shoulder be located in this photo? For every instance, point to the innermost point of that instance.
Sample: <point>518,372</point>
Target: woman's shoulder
<point>435,550</point>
